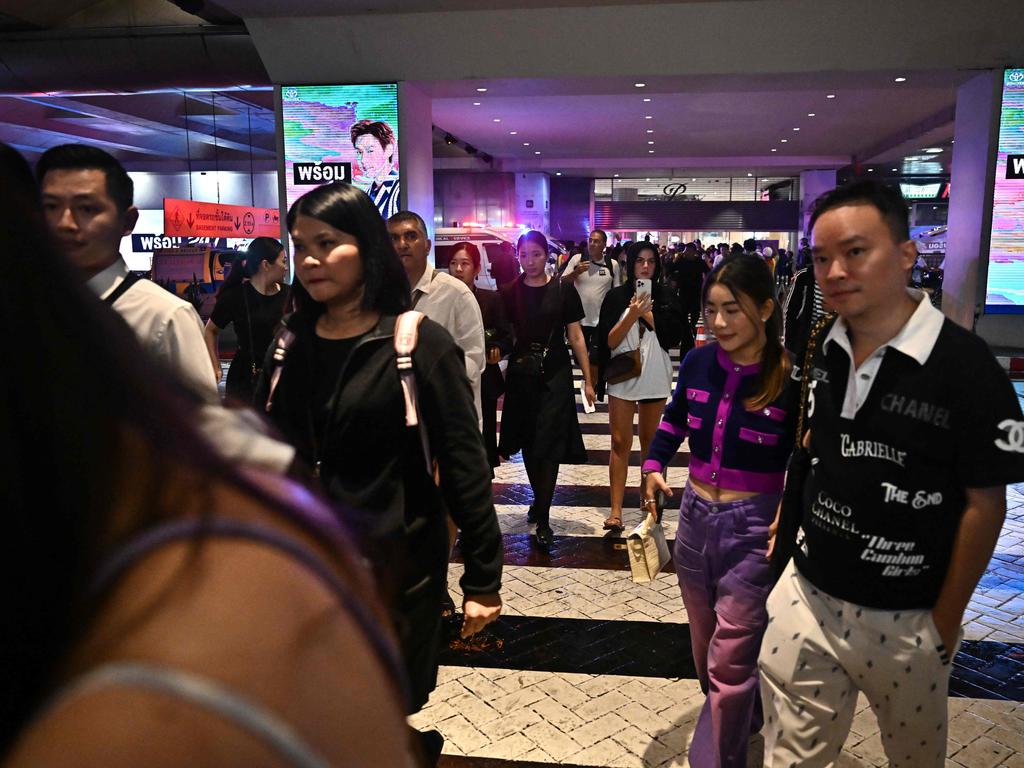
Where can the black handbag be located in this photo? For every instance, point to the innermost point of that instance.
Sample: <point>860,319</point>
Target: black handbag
<point>791,507</point>
<point>528,363</point>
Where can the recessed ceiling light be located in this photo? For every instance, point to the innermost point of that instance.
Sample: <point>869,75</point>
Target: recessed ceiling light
<point>646,100</point>
<point>830,96</point>
<point>476,103</point>
<point>650,142</point>
<point>537,152</point>
<point>640,85</point>
<point>900,80</point>
<point>558,173</point>
<point>783,140</point>
<point>650,151</point>
<point>895,169</point>
<point>497,119</point>
<point>871,170</point>
<point>693,179</point>
<point>796,129</point>
<point>512,133</point>
<point>526,143</point>
<point>616,175</point>
<point>648,117</point>
<point>952,141</point>
<point>810,114</point>
<point>650,130</point>
<point>750,174</point>
<point>646,179</point>
<point>932,150</point>
<point>481,90</point>
<point>774,150</point>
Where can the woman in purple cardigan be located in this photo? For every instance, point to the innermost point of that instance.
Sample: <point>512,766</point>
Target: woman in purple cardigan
<point>736,402</point>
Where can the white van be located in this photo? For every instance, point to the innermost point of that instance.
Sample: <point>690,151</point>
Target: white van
<point>489,241</point>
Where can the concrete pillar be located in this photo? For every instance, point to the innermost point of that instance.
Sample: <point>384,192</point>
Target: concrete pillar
<point>533,201</point>
<point>970,197</point>
<point>416,152</point>
<point>813,184</point>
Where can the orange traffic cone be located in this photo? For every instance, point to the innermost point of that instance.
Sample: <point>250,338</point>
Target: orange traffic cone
<point>700,339</point>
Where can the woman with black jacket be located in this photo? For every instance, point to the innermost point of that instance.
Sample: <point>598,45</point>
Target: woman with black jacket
<point>650,324</point>
<point>338,397</point>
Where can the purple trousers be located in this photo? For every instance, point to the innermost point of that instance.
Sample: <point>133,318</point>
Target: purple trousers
<point>725,580</point>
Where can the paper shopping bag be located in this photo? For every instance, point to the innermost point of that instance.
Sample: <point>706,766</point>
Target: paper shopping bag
<point>647,549</point>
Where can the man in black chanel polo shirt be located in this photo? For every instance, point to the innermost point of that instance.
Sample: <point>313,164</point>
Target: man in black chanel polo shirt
<point>915,431</point>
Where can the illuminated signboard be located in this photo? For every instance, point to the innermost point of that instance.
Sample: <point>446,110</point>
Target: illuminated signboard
<point>341,133</point>
<point>920,191</point>
<point>1005,289</point>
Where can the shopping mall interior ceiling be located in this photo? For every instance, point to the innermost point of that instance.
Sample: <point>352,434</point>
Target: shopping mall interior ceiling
<point>489,73</point>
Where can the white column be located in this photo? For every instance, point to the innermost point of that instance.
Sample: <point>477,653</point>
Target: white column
<point>970,197</point>
<point>416,152</point>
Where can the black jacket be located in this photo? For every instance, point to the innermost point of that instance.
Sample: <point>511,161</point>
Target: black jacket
<point>669,323</point>
<point>373,463</point>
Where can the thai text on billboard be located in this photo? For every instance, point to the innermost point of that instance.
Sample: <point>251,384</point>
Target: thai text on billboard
<point>341,133</point>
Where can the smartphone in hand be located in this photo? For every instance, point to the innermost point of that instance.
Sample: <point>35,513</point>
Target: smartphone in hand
<point>643,285</point>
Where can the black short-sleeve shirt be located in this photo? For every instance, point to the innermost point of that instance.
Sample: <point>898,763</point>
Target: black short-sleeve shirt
<point>540,316</point>
<point>255,328</point>
<point>886,493</point>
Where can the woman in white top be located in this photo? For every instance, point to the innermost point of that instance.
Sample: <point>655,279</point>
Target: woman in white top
<point>651,322</point>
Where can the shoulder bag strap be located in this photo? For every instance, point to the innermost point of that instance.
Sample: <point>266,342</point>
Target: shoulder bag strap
<point>248,322</point>
<point>129,280</point>
<point>806,375</point>
<point>282,343</point>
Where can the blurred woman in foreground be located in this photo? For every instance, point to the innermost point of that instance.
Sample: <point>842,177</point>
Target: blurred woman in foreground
<point>161,608</point>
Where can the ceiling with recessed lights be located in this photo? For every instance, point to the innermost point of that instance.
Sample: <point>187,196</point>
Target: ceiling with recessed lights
<point>768,124</point>
<point>539,84</point>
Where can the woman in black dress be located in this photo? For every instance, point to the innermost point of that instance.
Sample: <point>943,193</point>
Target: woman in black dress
<point>539,411</point>
<point>252,298</point>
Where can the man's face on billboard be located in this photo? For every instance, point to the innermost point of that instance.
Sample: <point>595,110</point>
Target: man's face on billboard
<point>375,160</point>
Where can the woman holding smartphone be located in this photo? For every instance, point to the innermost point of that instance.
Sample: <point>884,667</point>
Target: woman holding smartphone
<point>737,404</point>
<point>539,411</point>
<point>640,321</point>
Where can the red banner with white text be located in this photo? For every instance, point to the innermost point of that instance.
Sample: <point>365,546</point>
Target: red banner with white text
<point>189,218</point>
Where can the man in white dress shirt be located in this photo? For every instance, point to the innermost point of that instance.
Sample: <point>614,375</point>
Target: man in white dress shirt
<point>444,299</point>
<point>88,200</point>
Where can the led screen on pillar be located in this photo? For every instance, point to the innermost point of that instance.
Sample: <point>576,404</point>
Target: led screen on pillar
<point>341,133</point>
<point>1005,290</point>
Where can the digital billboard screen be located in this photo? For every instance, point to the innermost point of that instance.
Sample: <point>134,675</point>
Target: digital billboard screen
<point>341,133</point>
<point>1005,288</point>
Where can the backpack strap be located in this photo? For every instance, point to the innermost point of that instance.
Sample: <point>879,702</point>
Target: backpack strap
<point>283,341</point>
<point>407,330</point>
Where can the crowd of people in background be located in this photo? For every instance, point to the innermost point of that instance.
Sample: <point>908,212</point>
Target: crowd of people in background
<point>359,440</point>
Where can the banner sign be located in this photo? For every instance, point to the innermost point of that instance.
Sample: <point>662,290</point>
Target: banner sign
<point>189,218</point>
<point>149,242</point>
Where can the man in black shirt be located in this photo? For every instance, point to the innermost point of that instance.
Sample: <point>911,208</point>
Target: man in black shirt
<point>914,433</point>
